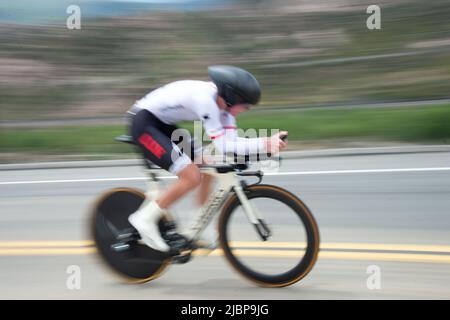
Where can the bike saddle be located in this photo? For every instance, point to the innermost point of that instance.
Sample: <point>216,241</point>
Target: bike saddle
<point>129,139</point>
<point>125,138</point>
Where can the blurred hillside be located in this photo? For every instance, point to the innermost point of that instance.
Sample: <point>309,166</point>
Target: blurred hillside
<point>304,53</point>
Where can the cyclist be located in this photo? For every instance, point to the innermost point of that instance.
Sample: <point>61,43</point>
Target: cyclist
<point>215,103</point>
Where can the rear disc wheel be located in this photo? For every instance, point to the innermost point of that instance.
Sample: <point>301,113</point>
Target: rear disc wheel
<point>139,263</point>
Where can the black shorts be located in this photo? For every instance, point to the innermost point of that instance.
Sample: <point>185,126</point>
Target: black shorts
<point>154,138</point>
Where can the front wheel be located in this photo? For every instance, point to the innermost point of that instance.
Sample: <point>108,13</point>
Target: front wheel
<point>291,250</point>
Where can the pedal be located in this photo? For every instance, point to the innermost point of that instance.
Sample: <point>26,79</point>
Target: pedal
<point>182,258</point>
<point>176,241</point>
<point>180,246</point>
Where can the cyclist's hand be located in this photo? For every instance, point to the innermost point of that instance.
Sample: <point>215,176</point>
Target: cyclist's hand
<point>275,144</point>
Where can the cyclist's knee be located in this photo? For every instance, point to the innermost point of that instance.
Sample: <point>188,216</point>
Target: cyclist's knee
<point>191,175</point>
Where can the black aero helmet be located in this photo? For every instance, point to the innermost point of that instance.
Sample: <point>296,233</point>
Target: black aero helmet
<point>235,85</point>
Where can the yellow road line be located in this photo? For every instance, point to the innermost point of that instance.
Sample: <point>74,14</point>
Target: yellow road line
<point>46,251</point>
<point>347,246</point>
<point>422,252</point>
<point>39,244</point>
<point>253,244</point>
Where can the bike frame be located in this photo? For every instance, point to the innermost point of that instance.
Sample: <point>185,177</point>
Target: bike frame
<point>228,183</point>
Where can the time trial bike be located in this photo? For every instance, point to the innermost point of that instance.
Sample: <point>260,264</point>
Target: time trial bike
<point>266,233</point>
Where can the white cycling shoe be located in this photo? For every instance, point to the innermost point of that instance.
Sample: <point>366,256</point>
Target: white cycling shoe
<point>145,220</point>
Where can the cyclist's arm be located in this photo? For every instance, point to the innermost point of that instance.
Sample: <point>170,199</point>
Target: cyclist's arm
<point>225,139</point>
<point>248,145</point>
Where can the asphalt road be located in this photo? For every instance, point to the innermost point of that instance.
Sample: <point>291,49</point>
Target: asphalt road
<point>370,211</point>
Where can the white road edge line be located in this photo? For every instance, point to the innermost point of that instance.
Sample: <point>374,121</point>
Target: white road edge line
<point>266,174</point>
<point>357,171</point>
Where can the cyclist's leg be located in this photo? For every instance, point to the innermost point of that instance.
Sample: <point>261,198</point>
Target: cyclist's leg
<point>154,139</point>
<point>204,189</point>
<point>188,179</point>
<point>151,136</point>
<point>209,236</point>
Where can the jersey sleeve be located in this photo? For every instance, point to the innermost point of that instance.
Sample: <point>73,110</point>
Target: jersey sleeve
<point>237,145</point>
<point>222,130</point>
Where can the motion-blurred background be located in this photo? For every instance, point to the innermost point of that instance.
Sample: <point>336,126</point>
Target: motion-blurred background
<point>326,77</point>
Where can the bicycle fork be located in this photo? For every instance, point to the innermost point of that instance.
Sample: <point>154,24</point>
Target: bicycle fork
<point>252,213</point>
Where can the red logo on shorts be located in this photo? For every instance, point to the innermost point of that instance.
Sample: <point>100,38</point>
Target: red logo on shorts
<point>154,147</point>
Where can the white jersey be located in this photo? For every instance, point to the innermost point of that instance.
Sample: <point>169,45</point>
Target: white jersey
<point>190,100</point>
